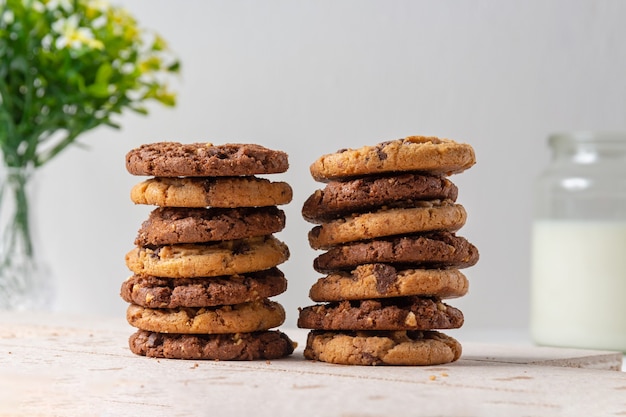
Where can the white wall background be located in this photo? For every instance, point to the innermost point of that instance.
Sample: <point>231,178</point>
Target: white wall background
<point>310,77</point>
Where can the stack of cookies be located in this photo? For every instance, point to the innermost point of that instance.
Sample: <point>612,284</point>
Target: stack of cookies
<point>387,219</point>
<point>205,260</point>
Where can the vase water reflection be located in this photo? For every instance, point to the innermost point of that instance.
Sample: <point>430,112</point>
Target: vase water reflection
<point>25,279</point>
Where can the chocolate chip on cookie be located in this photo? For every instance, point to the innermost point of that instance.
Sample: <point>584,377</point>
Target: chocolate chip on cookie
<point>173,159</point>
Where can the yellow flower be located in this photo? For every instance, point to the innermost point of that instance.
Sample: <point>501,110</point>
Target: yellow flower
<point>73,36</point>
<point>151,64</point>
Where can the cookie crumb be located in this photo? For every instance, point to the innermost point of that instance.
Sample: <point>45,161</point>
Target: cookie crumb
<point>195,365</point>
<point>432,377</point>
<point>268,362</point>
<point>444,374</point>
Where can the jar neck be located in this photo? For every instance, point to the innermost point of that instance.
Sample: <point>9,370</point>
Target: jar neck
<point>588,147</point>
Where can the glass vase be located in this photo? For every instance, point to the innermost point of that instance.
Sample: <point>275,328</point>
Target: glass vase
<point>25,279</point>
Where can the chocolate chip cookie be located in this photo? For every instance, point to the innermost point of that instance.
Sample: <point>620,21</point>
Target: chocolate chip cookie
<point>382,348</point>
<point>426,154</point>
<point>388,222</point>
<point>170,225</point>
<point>220,347</point>
<point>339,198</point>
<point>158,292</point>
<point>173,159</point>
<point>402,313</point>
<point>432,250</point>
<point>381,280</point>
<point>208,260</point>
<point>239,318</point>
<point>227,192</point>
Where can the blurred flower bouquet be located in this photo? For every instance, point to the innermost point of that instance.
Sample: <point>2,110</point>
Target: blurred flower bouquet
<point>66,67</point>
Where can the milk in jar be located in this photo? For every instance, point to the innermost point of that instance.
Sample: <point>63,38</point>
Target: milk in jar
<point>578,256</point>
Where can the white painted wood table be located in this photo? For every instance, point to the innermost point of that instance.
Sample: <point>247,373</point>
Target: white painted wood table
<point>53,365</point>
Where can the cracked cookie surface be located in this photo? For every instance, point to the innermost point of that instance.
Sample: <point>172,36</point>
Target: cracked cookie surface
<point>159,292</point>
<point>339,198</point>
<point>399,221</point>
<point>172,225</point>
<point>425,154</point>
<point>239,318</point>
<point>382,348</point>
<point>208,260</point>
<point>221,347</point>
<point>381,280</point>
<point>402,313</point>
<point>173,159</point>
<point>227,192</point>
<point>432,250</point>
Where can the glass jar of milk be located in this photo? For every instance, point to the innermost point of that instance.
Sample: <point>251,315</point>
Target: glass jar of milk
<point>578,286</point>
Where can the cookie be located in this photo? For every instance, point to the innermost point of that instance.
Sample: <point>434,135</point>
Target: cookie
<point>382,348</point>
<point>172,159</point>
<point>208,260</point>
<point>364,194</point>
<point>156,292</point>
<point>433,250</point>
<point>388,222</point>
<point>415,153</point>
<point>227,192</point>
<point>238,318</point>
<point>172,225</point>
<point>403,313</point>
<point>380,280</point>
<point>221,347</point>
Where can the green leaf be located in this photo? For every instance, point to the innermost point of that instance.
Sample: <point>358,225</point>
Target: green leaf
<point>104,73</point>
<point>98,90</point>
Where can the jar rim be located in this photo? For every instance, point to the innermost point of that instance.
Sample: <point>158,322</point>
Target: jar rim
<point>616,137</point>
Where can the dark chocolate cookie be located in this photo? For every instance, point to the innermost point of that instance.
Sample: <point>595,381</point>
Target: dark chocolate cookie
<point>402,313</point>
<point>173,159</point>
<point>172,225</point>
<point>367,193</point>
<point>224,347</point>
<point>157,292</point>
<point>435,250</point>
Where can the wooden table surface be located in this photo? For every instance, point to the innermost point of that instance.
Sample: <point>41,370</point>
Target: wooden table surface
<point>53,365</point>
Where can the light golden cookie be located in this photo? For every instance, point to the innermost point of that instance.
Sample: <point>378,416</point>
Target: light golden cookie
<point>238,318</point>
<point>382,348</point>
<point>208,260</point>
<point>425,218</point>
<point>227,192</point>
<point>415,153</point>
<point>381,280</point>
